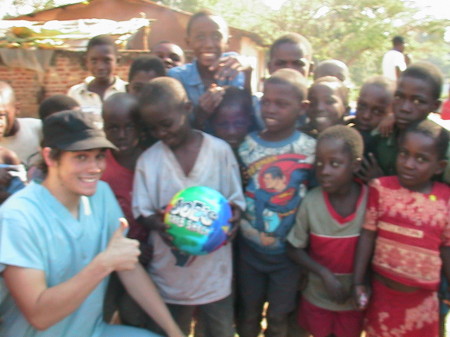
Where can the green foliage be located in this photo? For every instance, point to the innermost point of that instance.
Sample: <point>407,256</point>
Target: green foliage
<point>355,32</point>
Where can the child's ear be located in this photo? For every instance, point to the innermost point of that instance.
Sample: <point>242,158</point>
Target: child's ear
<point>441,166</point>
<point>187,107</point>
<point>46,155</point>
<point>357,165</point>
<point>436,105</point>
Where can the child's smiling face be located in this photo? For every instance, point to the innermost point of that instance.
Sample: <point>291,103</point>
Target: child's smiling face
<point>208,37</point>
<point>326,107</point>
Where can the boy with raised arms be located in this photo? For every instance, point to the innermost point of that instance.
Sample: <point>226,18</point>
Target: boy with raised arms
<point>204,78</point>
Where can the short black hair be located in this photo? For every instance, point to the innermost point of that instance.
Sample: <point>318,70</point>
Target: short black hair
<point>398,40</point>
<point>290,77</point>
<point>342,90</point>
<point>324,67</point>
<point>101,40</point>
<point>292,38</point>
<point>204,13</point>
<point>427,72</point>
<point>236,95</point>
<point>352,139</point>
<point>381,82</point>
<point>147,63</point>
<point>119,100</point>
<point>163,90</point>
<point>56,103</point>
<point>434,131</point>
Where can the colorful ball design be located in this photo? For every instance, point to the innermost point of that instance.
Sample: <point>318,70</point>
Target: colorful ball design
<point>198,220</point>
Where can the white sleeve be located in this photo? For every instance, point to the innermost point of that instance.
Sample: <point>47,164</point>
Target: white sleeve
<point>142,203</point>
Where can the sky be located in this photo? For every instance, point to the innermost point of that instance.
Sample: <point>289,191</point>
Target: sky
<point>436,8</point>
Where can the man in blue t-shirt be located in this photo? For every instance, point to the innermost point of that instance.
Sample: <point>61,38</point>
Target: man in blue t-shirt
<point>60,241</point>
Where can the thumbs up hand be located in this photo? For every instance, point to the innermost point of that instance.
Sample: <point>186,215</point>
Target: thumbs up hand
<point>122,253</point>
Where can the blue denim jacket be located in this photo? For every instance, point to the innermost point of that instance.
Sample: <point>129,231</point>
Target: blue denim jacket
<point>189,76</point>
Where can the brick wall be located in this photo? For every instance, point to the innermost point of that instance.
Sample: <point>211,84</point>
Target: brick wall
<point>66,69</point>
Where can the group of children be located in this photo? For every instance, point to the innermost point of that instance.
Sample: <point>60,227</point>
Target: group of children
<point>342,224</point>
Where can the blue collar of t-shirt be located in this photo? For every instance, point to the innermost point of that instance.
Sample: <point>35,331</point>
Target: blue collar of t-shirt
<point>292,138</point>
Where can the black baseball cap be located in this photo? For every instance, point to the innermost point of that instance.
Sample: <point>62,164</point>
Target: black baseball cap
<point>73,130</point>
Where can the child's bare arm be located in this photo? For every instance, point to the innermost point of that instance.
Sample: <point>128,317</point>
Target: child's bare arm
<point>332,284</point>
<point>211,98</point>
<point>228,67</point>
<point>386,126</point>
<point>363,255</point>
<point>234,220</point>
<point>370,169</point>
<point>155,222</point>
<point>445,256</point>
<point>8,157</point>
<point>208,102</point>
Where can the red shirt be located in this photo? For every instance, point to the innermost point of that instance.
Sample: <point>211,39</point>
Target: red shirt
<point>445,111</point>
<point>411,228</point>
<point>121,181</point>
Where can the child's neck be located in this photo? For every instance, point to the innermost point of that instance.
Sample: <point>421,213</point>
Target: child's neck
<point>127,160</point>
<point>187,152</point>
<point>345,201</point>
<point>99,86</point>
<point>424,188</point>
<point>277,136</point>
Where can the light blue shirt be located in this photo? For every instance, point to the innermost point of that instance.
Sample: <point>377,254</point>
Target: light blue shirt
<point>38,232</point>
<point>189,76</point>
